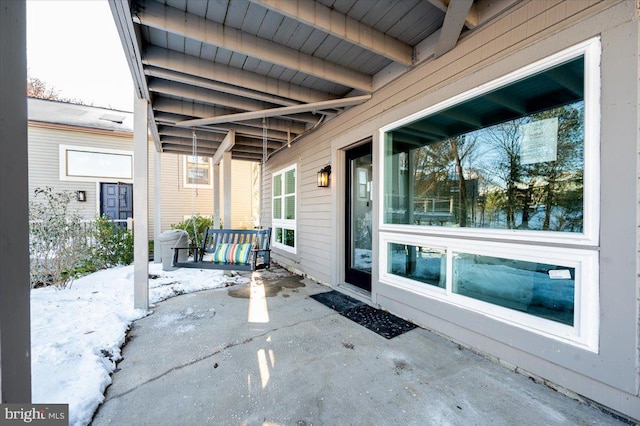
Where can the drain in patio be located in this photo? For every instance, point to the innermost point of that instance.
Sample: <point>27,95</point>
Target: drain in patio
<point>376,320</point>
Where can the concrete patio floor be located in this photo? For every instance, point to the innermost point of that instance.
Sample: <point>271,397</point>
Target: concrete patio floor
<point>266,353</point>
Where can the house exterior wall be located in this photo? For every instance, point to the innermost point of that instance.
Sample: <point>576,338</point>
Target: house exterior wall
<point>177,200</point>
<point>530,32</point>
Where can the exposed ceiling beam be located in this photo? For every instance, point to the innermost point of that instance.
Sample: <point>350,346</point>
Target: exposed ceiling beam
<point>207,147</point>
<point>205,95</point>
<point>227,145</point>
<point>188,142</point>
<point>241,156</point>
<point>195,27</point>
<point>566,81</point>
<point>275,112</point>
<point>462,117</point>
<point>191,109</point>
<point>186,150</point>
<point>217,99</point>
<point>330,21</point>
<point>184,135</point>
<point>452,25</point>
<point>421,126</point>
<point>236,77</point>
<point>214,85</point>
<point>471,21</point>
<point>512,103</point>
<point>168,119</point>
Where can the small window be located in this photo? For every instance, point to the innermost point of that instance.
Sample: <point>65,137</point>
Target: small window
<point>284,208</point>
<point>197,172</point>
<point>94,164</point>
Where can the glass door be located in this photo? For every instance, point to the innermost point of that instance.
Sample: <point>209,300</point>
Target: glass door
<point>359,209</point>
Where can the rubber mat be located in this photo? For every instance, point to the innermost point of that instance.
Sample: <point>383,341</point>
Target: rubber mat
<point>380,322</point>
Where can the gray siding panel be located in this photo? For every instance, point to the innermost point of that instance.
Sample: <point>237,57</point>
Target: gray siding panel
<point>530,31</point>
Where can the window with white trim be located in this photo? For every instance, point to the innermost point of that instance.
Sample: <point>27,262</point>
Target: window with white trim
<point>197,172</point>
<point>90,164</point>
<point>284,191</point>
<point>513,161</point>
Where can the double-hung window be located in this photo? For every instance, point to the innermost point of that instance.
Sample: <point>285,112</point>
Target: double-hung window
<point>284,209</point>
<point>490,199</point>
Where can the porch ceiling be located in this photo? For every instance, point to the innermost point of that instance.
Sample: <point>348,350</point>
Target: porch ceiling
<point>284,66</point>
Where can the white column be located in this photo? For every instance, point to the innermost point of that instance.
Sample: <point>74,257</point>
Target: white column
<point>157,205</point>
<point>15,320</point>
<point>140,205</point>
<point>226,191</point>
<point>216,196</point>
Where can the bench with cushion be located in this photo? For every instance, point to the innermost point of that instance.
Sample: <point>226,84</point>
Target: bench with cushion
<point>230,249</point>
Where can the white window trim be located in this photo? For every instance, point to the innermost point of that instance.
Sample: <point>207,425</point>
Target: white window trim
<point>185,180</point>
<point>584,332</point>
<point>591,192</point>
<point>63,163</point>
<point>285,223</point>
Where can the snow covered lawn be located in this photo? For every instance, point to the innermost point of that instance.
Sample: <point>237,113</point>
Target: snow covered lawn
<point>76,334</point>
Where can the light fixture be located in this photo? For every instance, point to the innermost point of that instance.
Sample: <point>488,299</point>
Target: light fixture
<point>81,196</point>
<point>323,177</point>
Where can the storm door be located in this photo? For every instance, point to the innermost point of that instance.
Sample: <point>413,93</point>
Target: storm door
<point>359,209</point>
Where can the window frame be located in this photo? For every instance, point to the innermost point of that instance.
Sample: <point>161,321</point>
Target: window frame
<point>64,164</point>
<point>285,224</point>
<point>591,190</point>
<point>185,178</point>
<point>577,250</point>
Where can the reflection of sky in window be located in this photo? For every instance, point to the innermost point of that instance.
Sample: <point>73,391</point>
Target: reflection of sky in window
<point>97,164</point>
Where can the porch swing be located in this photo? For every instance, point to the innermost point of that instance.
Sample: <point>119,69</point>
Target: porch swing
<point>228,249</point>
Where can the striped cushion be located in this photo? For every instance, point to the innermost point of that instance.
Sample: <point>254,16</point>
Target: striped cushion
<point>232,253</point>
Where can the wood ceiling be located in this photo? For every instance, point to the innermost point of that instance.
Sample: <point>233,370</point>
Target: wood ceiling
<point>273,70</point>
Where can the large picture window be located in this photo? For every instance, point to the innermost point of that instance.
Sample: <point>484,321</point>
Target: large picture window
<point>284,209</point>
<point>512,158</point>
<point>513,161</point>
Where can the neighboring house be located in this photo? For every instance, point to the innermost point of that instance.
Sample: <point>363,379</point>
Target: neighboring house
<point>89,151</point>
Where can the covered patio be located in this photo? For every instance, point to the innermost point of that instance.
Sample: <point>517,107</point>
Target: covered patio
<point>382,96</point>
<point>268,353</point>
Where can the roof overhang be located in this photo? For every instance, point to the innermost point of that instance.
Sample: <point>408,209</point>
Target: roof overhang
<point>270,71</point>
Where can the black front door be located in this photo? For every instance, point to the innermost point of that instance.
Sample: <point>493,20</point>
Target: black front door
<point>359,209</point>
<point>116,200</point>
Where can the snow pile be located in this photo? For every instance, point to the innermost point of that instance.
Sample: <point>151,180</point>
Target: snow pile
<point>76,334</point>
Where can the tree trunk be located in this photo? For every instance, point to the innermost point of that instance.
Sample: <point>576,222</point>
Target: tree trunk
<point>462,184</point>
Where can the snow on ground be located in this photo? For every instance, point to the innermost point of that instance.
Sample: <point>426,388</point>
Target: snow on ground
<point>77,333</point>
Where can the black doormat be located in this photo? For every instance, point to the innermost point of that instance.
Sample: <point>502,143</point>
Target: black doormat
<point>337,301</point>
<point>376,320</point>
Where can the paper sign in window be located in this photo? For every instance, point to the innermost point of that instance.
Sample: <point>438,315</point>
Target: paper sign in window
<point>560,274</point>
<point>539,141</point>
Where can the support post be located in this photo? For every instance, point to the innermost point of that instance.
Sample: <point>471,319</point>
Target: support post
<point>216,196</point>
<point>157,205</point>
<point>15,320</point>
<point>226,166</point>
<point>141,205</point>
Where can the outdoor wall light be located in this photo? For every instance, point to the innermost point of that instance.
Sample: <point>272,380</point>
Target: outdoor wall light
<point>81,196</point>
<point>323,177</point>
